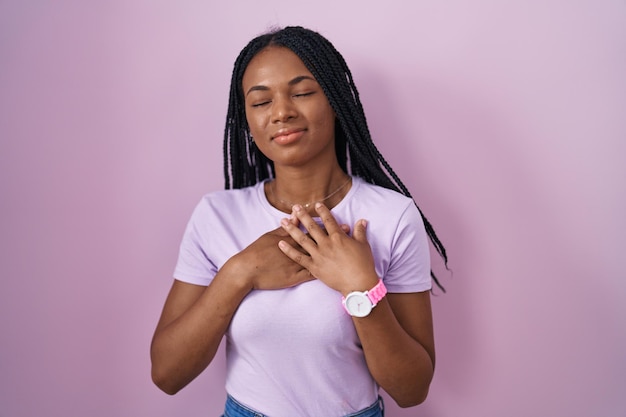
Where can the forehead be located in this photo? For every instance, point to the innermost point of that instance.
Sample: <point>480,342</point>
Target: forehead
<point>274,65</point>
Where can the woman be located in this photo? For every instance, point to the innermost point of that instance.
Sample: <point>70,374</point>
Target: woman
<point>319,306</point>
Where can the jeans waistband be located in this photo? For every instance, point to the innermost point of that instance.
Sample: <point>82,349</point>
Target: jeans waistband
<point>234,408</point>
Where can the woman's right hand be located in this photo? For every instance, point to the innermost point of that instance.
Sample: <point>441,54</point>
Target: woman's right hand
<point>195,318</point>
<point>264,266</point>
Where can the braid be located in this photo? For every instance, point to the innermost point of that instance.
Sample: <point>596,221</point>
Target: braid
<point>245,165</point>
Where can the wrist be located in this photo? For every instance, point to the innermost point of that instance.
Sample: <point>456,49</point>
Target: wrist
<point>238,275</point>
<point>361,303</point>
<point>365,283</point>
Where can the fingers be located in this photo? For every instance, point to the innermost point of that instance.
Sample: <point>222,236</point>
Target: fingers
<point>328,219</point>
<point>294,254</point>
<point>330,223</point>
<point>311,226</point>
<point>292,230</point>
<point>360,231</point>
<point>304,275</point>
<point>293,219</point>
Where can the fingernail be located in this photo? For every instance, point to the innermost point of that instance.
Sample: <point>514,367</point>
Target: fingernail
<point>284,222</point>
<point>297,207</point>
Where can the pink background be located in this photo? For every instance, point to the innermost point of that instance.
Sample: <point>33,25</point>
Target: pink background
<point>507,122</point>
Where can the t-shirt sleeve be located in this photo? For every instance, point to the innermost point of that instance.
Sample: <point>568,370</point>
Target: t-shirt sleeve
<point>193,265</point>
<point>409,268</point>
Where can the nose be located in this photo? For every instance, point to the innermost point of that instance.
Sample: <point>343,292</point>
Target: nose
<point>283,110</point>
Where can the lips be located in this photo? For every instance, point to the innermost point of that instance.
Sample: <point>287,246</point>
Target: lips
<point>287,136</point>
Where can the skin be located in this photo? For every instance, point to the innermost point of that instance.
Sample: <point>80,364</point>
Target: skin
<point>283,96</point>
<point>293,124</point>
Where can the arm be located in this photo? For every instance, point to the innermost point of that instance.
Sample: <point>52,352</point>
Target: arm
<point>397,337</point>
<point>398,342</point>
<point>195,318</point>
<point>190,329</point>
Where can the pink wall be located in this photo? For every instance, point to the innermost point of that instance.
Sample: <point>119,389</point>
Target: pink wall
<point>507,123</point>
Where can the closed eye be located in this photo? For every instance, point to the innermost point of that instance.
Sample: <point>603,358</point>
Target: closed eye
<point>263,103</point>
<point>304,94</point>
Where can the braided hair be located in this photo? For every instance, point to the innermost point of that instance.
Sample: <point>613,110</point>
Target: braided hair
<point>245,165</point>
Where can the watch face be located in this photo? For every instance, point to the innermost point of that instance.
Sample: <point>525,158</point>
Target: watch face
<point>358,304</point>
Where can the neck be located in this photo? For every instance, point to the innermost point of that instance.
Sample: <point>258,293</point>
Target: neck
<point>297,187</point>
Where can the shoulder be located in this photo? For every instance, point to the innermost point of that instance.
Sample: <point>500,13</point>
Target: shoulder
<point>375,195</point>
<point>397,236</point>
<point>387,208</point>
<point>231,198</point>
<point>227,203</point>
<point>234,195</point>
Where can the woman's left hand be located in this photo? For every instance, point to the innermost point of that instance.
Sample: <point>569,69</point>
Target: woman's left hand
<point>402,365</point>
<point>344,263</point>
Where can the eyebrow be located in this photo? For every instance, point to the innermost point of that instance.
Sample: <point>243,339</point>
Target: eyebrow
<point>295,81</point>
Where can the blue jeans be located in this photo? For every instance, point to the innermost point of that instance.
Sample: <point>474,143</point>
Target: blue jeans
<point>235,409</point>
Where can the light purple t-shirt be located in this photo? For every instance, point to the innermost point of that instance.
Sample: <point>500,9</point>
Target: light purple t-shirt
<point>295,352</point>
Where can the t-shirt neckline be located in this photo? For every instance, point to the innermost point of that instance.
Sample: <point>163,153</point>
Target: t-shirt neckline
<point>356,181</point>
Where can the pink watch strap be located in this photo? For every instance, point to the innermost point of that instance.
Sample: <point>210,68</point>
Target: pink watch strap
<point>377,293</point>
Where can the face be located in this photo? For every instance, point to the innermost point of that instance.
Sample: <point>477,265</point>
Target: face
<point>288,113</point>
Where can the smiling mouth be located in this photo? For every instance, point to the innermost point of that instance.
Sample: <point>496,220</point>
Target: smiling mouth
<point>287,137</point>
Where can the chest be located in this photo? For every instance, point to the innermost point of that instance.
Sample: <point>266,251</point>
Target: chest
<point>305,315</point>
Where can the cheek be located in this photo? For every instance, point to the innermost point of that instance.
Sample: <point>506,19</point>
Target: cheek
<point>253,124</point>
<point>320,111</point>
<point>326,121</point>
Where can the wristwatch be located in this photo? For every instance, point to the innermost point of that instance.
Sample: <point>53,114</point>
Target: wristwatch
<point>361,303</point>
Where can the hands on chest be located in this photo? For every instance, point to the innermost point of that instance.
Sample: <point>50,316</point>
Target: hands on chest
<point>288,256</point>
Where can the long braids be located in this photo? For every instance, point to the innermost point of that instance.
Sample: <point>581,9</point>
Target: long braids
<point>245,165</point>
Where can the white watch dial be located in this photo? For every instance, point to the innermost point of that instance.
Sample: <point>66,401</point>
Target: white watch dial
<point>358,304</point>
